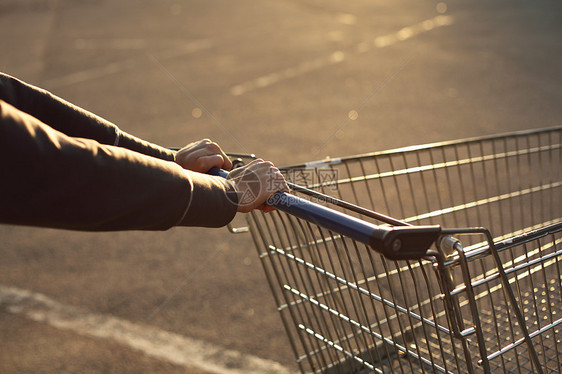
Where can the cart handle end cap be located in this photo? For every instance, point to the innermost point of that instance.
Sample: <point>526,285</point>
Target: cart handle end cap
<point>405,243</point>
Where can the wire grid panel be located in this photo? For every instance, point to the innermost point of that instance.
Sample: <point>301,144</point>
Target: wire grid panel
<point>346,309</point>
<point>532,265</point>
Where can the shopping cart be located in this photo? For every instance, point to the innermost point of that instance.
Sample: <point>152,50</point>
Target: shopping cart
<point>416,299</point>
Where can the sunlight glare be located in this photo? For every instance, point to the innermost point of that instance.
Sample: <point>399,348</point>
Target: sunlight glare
<point>196,113</point>
<point>441,7</point>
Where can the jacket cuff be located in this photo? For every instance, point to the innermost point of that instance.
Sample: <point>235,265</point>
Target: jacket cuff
<point>214,201</point>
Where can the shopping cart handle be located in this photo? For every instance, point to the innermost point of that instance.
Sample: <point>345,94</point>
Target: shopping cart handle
<point>394,242</point>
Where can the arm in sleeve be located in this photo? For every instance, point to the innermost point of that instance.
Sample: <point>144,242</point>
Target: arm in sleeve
<point>72,120</point>
<point>49,179</point>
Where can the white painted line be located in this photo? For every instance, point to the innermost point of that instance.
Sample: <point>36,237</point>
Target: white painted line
<point>411,31</point>
<point>160,344</point>
<point>338,56</point>
<point>272,78</point>
<point>117,67</point>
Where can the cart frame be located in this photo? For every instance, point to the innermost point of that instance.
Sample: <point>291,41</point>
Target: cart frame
<point>490,304</point>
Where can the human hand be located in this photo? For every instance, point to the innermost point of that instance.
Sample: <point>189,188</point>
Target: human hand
<point>201,156</point>
<point>255,183</point>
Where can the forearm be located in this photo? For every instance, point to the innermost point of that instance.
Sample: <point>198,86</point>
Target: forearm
<point>52,180</point>
<point>72,120</point>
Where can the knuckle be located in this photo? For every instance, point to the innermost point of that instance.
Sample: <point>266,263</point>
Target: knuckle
<point>213,147</point>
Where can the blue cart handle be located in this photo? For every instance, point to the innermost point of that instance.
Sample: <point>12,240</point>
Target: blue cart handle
<point>394,242</point>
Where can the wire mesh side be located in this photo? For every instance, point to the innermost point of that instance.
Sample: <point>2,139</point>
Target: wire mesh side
<point>530,267</point>
<point>509,184</point>
<point>348,310</point>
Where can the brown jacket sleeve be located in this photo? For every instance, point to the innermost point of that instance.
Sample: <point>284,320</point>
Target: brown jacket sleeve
<point>72,120</point>
<point>53,180</point>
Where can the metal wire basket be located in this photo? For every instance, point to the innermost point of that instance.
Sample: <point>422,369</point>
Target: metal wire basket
<point>490,304</point>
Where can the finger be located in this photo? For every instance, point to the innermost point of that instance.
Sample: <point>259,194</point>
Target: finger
<point>227,165</point>
<point>200,161</point>
<point>206,163</point>
<point>266,208</point>
<point>187,158</point>
<point>204,142</point>
<point>213,148</point>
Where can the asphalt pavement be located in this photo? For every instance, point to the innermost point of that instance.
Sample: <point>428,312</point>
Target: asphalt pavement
<point>290,81</point>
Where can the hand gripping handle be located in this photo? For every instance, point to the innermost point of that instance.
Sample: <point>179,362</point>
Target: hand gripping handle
<point>394,242</point>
